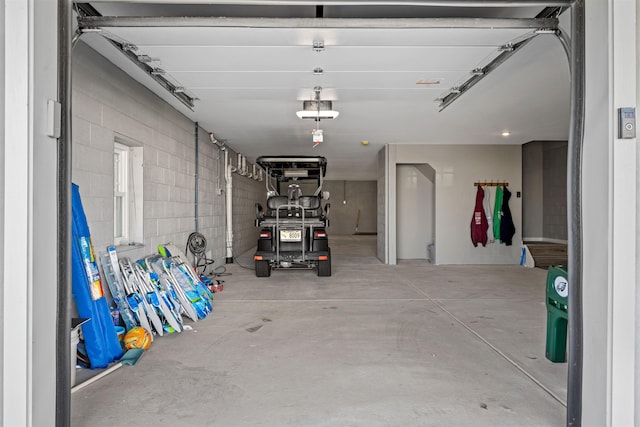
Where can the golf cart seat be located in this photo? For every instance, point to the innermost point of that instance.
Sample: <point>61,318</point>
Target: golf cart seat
<point>274,203</point>
<point>311,205</point>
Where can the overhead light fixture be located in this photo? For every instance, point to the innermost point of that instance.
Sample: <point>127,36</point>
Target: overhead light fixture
<point>505,133</point>
<point>318,46</point>
<point>317,109</point>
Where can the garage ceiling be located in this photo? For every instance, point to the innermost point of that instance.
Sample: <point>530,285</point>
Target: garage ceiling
<point>385,82</point>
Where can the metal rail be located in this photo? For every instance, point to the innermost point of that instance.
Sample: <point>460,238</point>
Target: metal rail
<point>63,279</point>
<point>313,3</point>
<point>370,23</point>
<point>574,213</point>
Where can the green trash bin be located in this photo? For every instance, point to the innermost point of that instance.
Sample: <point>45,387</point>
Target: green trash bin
<point>557,301</point>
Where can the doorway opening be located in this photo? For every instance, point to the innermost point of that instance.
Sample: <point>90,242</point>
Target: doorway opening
<point>415,212</point>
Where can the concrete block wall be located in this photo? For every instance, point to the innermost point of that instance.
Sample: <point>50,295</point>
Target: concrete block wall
<point>108,104</point>
<point>359,196</point>
<point>246,193</point>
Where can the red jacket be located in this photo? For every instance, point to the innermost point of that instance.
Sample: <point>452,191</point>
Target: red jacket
<point>479,222</point>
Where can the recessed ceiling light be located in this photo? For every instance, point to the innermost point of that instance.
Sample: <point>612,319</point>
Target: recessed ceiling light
<point>364,142</point>
<point>505,133</point>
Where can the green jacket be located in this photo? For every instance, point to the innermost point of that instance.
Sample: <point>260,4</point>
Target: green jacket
<point>497,213</point>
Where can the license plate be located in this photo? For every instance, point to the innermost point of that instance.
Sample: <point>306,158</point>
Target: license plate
<point>290,235</point>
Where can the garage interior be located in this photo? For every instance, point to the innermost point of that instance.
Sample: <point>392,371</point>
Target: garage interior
<point>446,97</point>
<point>376,332</point>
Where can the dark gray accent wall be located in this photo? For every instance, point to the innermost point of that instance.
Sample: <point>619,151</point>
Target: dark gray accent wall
<point>554,159</point>
<point>347,199</point>
<point>532,198</point>
<point>544,190</point>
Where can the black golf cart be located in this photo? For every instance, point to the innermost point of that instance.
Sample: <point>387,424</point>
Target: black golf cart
<point>292,227</point>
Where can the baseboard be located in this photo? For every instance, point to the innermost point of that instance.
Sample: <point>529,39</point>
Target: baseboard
<point>544,239</point>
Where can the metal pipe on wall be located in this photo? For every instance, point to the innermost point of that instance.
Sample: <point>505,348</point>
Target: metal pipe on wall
<point>228,204</point>
<point>196,177</point>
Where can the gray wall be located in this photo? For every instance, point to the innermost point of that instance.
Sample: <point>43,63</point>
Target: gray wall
<point>555,190</point>
<point>544,177</point>
<point>532,193</point>
<point>360,196</point>
<point>383,206</point>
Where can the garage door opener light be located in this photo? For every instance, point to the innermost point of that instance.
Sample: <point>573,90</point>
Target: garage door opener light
<point>317,109</point>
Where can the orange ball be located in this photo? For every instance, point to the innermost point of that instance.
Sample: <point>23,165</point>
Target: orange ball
<point>137,337</point>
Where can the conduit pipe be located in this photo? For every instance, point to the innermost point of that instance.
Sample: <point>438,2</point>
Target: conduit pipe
<point>229,169</point>
<point>196,191</point>
<point>221,147</point>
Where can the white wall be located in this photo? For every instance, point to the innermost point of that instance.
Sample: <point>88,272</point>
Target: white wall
<point>610,238</point>
<point>28,34</point>
<point>457,168</point>
<point>2,184</point>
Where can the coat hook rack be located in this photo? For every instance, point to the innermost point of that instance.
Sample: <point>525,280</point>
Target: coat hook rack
<point>491,184</point>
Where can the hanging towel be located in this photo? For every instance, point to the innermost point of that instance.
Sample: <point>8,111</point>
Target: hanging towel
<point>497,213</point>
<point>507,229</point>
<point>479,223</point>
<point>486,203</point>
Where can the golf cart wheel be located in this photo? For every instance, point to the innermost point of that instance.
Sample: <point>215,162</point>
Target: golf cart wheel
<point>324,267</point>
<point>263,269</point>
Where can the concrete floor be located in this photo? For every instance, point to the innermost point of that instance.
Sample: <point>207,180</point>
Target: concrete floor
<point>373,345</point>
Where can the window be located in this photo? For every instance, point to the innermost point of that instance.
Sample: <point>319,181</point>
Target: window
<point>120,193</point>
<point>127,193</point>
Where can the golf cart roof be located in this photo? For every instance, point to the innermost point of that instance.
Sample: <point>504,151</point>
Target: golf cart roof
<point>289,167</point>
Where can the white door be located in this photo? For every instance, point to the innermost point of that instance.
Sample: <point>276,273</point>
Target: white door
<point>415,211</point>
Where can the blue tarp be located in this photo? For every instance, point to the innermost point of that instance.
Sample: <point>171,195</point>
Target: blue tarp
<point>100,337</point>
